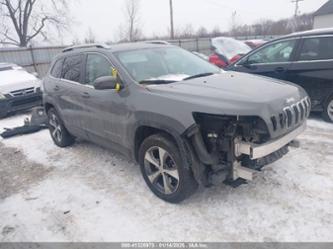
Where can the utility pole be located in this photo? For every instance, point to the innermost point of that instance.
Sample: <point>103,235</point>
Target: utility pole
<point>172,31</point>
<point>296,6</point>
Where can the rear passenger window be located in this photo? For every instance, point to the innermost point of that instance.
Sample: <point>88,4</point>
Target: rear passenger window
<point>72,68</point>
<point>320,48</point>
<point>57,68</point>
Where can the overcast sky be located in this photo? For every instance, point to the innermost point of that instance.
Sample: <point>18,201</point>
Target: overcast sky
<point>104,16</point>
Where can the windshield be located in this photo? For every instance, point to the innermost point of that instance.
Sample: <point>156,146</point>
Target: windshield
<point>230,47</point>
<point>168,64</point>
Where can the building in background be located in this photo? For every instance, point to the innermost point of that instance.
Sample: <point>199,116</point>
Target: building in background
<point>323,18</point>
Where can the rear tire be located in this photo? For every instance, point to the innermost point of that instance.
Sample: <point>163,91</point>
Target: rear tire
<point>60,136</point>
<point>167,178</point>
<point>328,110</point>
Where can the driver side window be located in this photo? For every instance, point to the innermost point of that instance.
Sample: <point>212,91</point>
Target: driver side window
<point>277,52</point>
<point>97,66</point>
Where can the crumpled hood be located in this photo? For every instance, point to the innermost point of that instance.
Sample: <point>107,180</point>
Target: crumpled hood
<point>13,80</point>
<point>233,93</point>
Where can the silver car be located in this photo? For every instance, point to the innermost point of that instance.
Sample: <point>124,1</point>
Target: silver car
<point>19,90</point>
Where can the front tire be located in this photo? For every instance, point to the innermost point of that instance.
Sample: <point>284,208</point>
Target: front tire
<point>328,110</point>
<point>163,170</point>
<point>60,136</point>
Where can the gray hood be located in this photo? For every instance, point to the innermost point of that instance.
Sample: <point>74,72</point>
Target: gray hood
<point>233,93</point>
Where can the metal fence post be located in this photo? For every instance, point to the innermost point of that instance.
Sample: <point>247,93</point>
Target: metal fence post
<point>33,58</point>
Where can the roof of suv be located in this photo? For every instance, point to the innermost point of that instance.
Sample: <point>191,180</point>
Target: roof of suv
<point>115,47</point>
<point>327,31</point>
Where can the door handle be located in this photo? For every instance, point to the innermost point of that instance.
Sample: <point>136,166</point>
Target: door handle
<point>56,88</point>
<point>280,69</point>
<point>85,95</point>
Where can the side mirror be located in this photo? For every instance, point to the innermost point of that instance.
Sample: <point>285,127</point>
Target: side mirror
<point>107,82</point>
<point>246,63</point>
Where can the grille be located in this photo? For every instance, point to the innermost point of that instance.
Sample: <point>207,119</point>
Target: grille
<point>25,101</point>
<point>292,115</point>
<point>22,92</point>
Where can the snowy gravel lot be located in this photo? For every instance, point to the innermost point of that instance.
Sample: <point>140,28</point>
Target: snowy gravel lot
<point>86,193</point>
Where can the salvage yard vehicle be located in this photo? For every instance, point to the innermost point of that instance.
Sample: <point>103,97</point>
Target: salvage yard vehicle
<point>19,90</point>
<point>305,59</point>
<point>227,51</point>
<point>184,120</point>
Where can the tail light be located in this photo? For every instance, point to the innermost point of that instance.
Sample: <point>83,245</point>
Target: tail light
<point>215,59</point>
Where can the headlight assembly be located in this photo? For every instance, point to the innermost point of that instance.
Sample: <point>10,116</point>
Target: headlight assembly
<point>2,96</point>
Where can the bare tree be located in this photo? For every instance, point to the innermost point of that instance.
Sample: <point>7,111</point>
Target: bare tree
<point>132,12</point>
<point>280,27</point>
<point>216,31</point>
<point>24,20</point>
<point>186,32</point>
<point>202,32</point>
<point>90,38</point>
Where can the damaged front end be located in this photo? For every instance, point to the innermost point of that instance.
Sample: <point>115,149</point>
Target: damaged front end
<point>231,149</point>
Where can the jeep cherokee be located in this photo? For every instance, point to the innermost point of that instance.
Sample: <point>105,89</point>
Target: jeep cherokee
<point>184,120</point>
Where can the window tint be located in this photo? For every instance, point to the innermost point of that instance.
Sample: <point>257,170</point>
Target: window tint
<point>72,68</point>
<point>97,66</point>
<point>277,52</point>
<point>317,49</point>
<point>57,68</point>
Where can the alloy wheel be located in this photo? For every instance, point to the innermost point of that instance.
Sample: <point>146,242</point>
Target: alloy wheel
<point>330,110</point>
<point>161,170</point>
<point>55,127</point>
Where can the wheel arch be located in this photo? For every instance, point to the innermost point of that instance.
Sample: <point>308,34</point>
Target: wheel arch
<point>48,106</point>
<point>189,157</point>
<point>146,130</point>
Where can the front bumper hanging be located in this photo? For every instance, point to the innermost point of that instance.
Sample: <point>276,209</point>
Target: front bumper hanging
<point>256,151</point>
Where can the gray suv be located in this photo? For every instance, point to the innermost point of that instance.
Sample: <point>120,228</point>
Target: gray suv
<point>184,120</point>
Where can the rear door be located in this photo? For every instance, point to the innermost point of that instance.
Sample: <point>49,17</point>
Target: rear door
<point>70,100</point>
<point>313,68</point>
<point>273,60</point>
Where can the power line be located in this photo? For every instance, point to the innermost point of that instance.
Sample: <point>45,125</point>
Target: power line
<point>296,6</point>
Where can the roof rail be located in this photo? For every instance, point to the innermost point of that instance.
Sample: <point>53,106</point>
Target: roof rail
<point>93,45</point>
<point>158,42</point>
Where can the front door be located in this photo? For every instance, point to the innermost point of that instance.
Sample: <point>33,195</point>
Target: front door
<point>273,60</point>
<point>105,111</point>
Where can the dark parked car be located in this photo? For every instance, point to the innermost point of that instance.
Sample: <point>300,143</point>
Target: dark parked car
<point>183,119</point>
<point>227,51</point>
<point>19,90</point>
<point>305,59</point>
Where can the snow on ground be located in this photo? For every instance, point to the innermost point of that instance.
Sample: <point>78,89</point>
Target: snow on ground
<point>86,193</point>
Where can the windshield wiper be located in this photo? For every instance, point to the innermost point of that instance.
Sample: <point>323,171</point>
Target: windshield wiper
<point>198,76</point>
<point>156,82</point>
